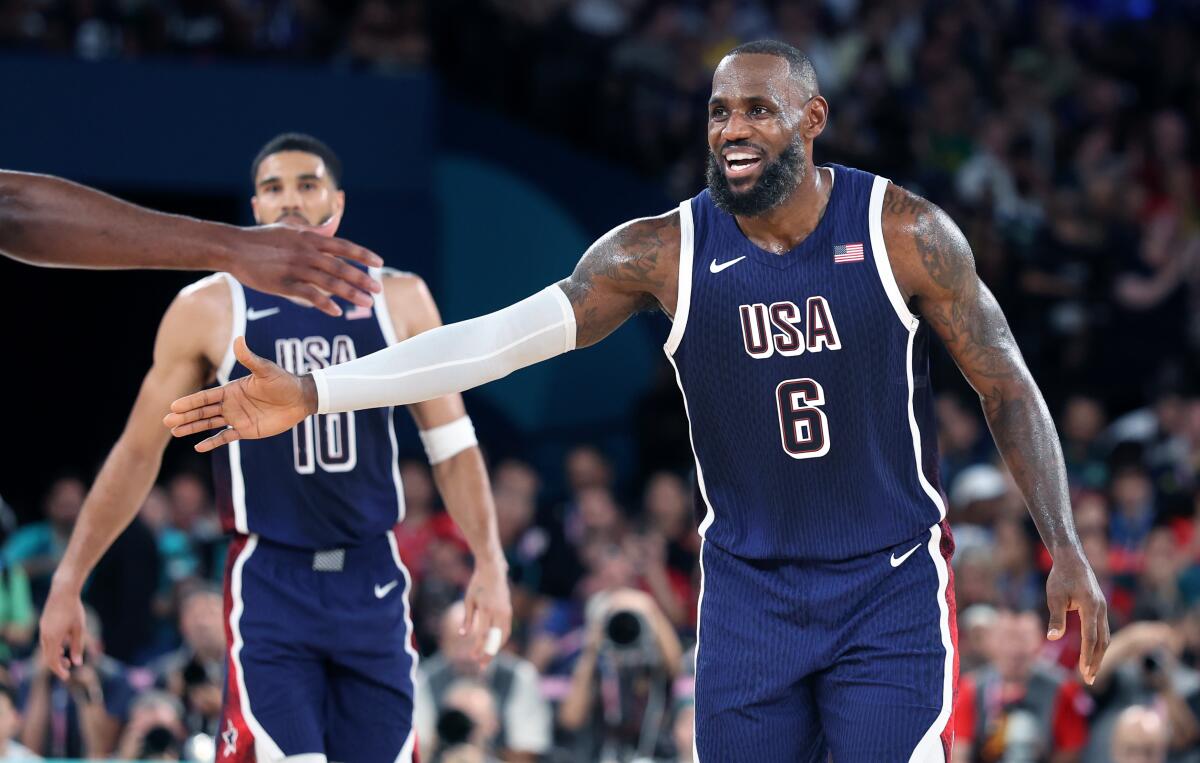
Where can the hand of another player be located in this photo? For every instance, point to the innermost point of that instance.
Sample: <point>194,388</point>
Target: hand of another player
<point>62,626</point>
<point>267,402</point>
<point>1072,586</point>
<point>302,264</point>
<point>488,606</point>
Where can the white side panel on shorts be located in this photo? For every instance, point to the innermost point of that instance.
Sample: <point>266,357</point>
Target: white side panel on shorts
<point>696,655</point>
<point>930,749</point>
<point>406,752</point>
<point>265,749</point>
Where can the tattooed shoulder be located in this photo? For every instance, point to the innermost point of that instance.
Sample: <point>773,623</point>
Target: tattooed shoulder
<point>636,257</point>
<point>927,249</point>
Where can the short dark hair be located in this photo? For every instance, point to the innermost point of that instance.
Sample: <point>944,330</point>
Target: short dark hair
<point>800,66</point>
<point>298,141</point>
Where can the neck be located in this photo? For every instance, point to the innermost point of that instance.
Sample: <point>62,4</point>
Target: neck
<point>781,229</point>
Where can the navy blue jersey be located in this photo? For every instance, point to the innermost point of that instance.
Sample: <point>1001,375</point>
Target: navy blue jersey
<point>806,383</point>
<point>333,481</point>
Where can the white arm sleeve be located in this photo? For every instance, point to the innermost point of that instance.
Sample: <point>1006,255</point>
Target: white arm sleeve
<point>452,358</point>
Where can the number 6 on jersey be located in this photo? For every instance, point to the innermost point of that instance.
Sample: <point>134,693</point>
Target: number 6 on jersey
<point>803,426</point>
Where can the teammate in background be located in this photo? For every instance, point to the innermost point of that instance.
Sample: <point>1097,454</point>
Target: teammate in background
<point>320,661</point>
<point>53,222</point>
<point>802,299</point>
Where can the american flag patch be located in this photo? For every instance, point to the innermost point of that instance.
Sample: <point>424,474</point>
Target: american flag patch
<point>848,252</point>
<point>357,313</point>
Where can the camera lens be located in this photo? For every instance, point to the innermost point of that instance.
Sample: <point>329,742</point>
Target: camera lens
<point>454,727</point>
<point>623,628</point>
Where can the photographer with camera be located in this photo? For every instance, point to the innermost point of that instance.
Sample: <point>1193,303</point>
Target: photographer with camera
<point>467,725</point>
<point>618,705</point>
<point>155,728</point>
<point>1143,668</point>
<point>193,671</point>
<point>524,732</point>
<point>79,718</point>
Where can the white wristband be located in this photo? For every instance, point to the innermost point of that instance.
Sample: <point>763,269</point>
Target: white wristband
<point>448,440</point>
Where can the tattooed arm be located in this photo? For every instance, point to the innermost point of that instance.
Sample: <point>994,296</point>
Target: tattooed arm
<point>935,270</point>
<point>631,268</point>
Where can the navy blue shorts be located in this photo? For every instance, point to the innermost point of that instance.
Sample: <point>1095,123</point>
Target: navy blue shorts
<point>320,662</point>
<point>855,660</point>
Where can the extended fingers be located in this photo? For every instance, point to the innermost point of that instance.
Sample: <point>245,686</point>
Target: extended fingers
<point>338,247</point>
<point>173,420</point>
<point>1089,630</point>
<point>198,400</point>
<point>224,437</point>
<point>203,425</point>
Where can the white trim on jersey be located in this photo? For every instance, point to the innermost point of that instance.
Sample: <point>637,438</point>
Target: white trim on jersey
<point>882,264</point>
<point>265,748</point>
<point>406,752</point>
<point>383,315</point>
<point>683,299</point>
<point>682,306</point>
<point>237,482</point>
<point>696,653</point>
<point>930,749</point>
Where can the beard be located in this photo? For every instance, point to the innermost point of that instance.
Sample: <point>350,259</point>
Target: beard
<point>775,183</point>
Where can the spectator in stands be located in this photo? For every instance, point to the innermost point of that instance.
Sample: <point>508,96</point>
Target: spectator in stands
<point>80,719</point>
<point>1133,512</point>
<point>632,651</point>
<point>515,486</point>
<point>38,547</point>
<point>523,716</point>
<point>1018,707</point>
<point>17,621</point>
<point>1140,736</point>
<point>10,724</point>
<point>466,728</point>
<point>193,512</point>
<point>1142,667</point>
<point>155,730</point>
<point>419,527</point>
<point>193,672</point>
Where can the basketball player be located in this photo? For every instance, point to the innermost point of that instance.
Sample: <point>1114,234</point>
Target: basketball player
<point>53,222</point>
<point>320,663</point>
<point>802,300</point>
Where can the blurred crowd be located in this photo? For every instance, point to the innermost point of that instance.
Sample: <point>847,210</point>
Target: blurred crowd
<point>1062,136</point>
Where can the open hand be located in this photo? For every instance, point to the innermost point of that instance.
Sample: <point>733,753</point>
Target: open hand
<point>267,402</point>
<point>302,264</point>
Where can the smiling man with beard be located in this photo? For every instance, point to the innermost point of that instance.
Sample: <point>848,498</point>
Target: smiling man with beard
<point>802,300</point>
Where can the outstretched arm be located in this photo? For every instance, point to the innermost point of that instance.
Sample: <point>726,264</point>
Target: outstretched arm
<point>49,221</point>
<point>935,269</point>
<point>631,268</point>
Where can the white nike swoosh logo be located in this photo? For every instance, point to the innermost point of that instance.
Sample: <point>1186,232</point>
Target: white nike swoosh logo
<point>715,268</point>
<point>384,590</point>
<point>896,562</point>
<point>253,315</point>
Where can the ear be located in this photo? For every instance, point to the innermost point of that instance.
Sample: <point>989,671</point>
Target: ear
<point>816,116</point>
<point>254,206</point>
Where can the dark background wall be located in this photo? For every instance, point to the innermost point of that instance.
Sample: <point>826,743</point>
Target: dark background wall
<point>486,211</point>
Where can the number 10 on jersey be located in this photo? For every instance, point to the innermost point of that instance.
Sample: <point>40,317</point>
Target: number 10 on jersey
<point>803,426</point>
<point>324,440</point>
